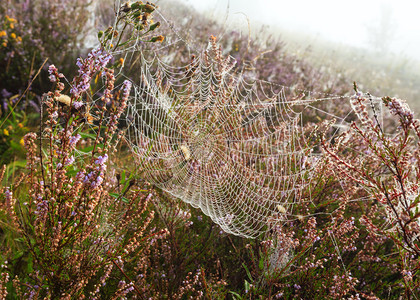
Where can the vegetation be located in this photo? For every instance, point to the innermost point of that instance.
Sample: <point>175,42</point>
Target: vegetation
<point>77,220</point>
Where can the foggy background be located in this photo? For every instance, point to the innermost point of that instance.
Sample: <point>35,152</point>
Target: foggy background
<point>381,26</point>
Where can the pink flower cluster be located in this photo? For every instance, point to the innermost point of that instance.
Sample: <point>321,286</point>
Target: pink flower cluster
<point>126,88</point>
<point>400,107</point>
<point>358,103</point>
<point>100,172</point>
<point>54,75</point>
<point>97,59</point>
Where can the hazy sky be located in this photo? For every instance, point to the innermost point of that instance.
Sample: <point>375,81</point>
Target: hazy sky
<point>341,21</point>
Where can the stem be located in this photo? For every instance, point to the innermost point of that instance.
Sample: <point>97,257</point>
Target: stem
<point>119,38</point>
<point>40,141</point>
<point>128,278</point>
<point>405,237</point>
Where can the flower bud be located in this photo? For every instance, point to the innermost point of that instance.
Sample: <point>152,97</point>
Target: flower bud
<point>136,5</point>
<point>154,26</point>
<point>148,8</point>
<point>158,38</point>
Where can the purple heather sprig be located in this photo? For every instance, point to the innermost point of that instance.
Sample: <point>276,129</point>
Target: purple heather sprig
<point>77,104</point>
<point>97,59</point>
<point>400,108</point>
<point>69,161</point>
<point>54,75</point>
<point>73,140</point>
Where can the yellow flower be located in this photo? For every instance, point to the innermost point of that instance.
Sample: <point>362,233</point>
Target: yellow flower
<point>11,20</point>
<point>121,61</point>
<point>4,44</point>
<point>2,33</point>
<point>21,142</point>
<point>19,39</point>
<point>12,26</point>
<point>20,125</point>
<point>6,132</point>
<point>13,35</point>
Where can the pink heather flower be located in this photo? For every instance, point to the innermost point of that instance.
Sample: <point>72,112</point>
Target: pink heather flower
<point>98,181</point>
<point>52,70</point>
<point>121,284</point>
<point>88,177</point>
<point>60,86</point>
<point>41,208</point>
<point>101,162</point>
<point>77,104</point>
<point>126,88</point>
<point>74,139</point>
<point>400,107</point>
<point>69,161</point>
<point>8,195</point>
<point>149,197</point>
<point>101,159</point>
<point>54,75</point>
<point>97,59</point>
<point>80,176</point>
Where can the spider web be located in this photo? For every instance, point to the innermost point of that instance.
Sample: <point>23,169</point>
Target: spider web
<point>234,148</point>
<point>239,148</point>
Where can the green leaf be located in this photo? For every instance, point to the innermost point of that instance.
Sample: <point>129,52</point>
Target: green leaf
<point>117,196</point>
<point>247,286</point>
<point>235,295</point>
<point>72,173</point>
<point>18,164</point>
<point>18,255</point>
<point>30,267</point>
<point>247,272</point>
<point>90,148</point>
<point>13,166</point>
<point>88,135</point>
<point>261,263</point>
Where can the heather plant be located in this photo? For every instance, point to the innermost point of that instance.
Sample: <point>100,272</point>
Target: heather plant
<point>66,207</point>
<point>70,212</point>
<point>82,222</point>
<point>380,161</point>
<point>311,255</point>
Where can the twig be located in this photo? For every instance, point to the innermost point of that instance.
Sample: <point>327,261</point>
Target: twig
<point>128,278</point>
<point>20,98</point>
<point>40,140</point>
